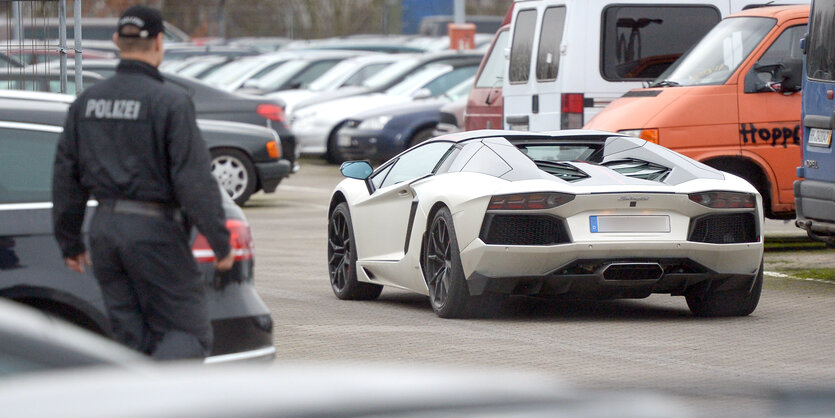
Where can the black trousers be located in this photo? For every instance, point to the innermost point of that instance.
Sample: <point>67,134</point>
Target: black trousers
<point>151,285</point>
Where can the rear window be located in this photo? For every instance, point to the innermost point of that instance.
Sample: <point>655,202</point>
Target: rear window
<point>520,49</point>
<point>640,42</point>
<point>820,59</point>
<point>26,165</point>
<point>550,38</point>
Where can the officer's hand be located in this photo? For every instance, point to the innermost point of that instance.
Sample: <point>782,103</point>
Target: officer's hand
<point>225,263</point>
<point>77,263</point>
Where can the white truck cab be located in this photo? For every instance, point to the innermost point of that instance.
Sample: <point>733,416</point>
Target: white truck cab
<point>568,59</point>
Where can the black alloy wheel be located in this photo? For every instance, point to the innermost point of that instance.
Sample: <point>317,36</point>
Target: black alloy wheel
<point>342,259</point>
<point>444,275</point>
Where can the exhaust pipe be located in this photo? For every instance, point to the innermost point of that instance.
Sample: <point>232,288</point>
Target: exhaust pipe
<point>633,271</point>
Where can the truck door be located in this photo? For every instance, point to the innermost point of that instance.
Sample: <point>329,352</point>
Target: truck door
<point>517,87</point>
<point>769,112</point>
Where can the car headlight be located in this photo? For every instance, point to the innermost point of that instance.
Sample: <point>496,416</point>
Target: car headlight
<point>374,124</point>
<point>649,135</point>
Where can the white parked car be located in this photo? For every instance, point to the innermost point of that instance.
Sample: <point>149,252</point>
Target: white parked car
<point>315,126</point>
<point>469,218</point>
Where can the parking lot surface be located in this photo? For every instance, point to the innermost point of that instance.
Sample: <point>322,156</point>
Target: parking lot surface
<point>654,343</point>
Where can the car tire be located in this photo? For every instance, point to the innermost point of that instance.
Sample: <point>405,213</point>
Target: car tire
<point>441,261</point>
<point>342,259</point>
<point>235,173</point>
<point>332,154</point>
<point>740,302</point>
<point>420,136</point>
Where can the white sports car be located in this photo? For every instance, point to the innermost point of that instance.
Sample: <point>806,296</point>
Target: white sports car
<point>471,217</point>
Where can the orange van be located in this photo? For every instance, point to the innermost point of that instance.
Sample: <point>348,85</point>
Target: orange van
<point>731,102</point>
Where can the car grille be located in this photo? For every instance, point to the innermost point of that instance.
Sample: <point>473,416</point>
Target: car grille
<point>523,230</point>
<point>724,229</point>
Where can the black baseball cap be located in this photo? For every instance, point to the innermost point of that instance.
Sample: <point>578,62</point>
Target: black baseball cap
<point>147,19</point>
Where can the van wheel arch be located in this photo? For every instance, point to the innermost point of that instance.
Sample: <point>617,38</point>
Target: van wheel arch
<point>750,171</point>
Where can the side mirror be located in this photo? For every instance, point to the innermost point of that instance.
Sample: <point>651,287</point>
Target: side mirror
<point>359,170</point>
<point>791,75</point>
<point>422,94</point>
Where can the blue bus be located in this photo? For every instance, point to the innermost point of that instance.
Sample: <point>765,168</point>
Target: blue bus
<point>814,193</point>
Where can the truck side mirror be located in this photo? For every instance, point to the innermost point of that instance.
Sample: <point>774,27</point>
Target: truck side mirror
<point>791,75</point>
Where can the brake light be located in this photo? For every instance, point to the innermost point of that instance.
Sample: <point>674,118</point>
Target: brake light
<point>724,200</point>
<point>272,150</point>
<point>271,112</point>
<point>240,239</point>
<point>571,110</point>
<point>529,201</point>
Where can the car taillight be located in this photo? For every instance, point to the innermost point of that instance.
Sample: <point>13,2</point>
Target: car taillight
<point>240,239</point>
<point>271,112</point>
<point>272,150</point>
<point>724,200</point>
<point>571,111</point>
<point>529,201</point>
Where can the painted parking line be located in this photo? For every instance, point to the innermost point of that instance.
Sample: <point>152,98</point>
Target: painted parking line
<point>790,277</point>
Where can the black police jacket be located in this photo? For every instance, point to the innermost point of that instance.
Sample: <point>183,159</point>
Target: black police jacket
<point>133,137</point>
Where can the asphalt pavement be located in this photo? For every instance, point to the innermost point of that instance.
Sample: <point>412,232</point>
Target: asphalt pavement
<point>716,367</point>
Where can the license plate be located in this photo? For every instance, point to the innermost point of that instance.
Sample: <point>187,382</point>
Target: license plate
<point>517,127</point>
<point>629,223</point>
<point>343,140</point>
<point>820,137</point>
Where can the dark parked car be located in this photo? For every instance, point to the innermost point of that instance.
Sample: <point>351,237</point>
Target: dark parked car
<point>213,103</point>
<point>382,133</point>
<point>244,156</point>
<point>31,79</point>
<point>33,271</point>
<point>33,341</point>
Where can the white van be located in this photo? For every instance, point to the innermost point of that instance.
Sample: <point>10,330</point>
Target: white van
<point>568,59</point>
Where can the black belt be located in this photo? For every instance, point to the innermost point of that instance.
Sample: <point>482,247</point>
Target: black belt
<point>137,207</point>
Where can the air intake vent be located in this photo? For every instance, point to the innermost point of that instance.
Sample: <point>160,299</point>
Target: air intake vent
<point>724,229</point>
<point>523,230</point>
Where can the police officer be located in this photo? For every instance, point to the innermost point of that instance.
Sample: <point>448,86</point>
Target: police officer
<point>132,143</point>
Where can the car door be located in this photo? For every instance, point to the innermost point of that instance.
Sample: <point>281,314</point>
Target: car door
<point>31,265</point>
<point>769,121</point>
<point>382,221</point>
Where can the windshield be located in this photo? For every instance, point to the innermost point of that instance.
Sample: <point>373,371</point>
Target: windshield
<point>461,90</point>
<point>390,73</point>
<point>418,79</point>
<point>331,79</point>
<point>230,72</point>
<point>718,54</point>
<point>279,75</point>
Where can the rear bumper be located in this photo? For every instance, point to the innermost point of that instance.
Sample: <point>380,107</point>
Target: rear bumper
<point>272,172</point>
<point>586,279</point>
<point>815,209</point>
<point>241,322</point>
<point>577,268</point>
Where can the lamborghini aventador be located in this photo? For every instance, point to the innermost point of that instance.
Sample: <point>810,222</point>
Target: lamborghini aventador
<point>470,218</point>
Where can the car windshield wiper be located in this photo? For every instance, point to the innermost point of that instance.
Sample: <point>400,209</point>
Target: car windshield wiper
<point>666,83</point>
